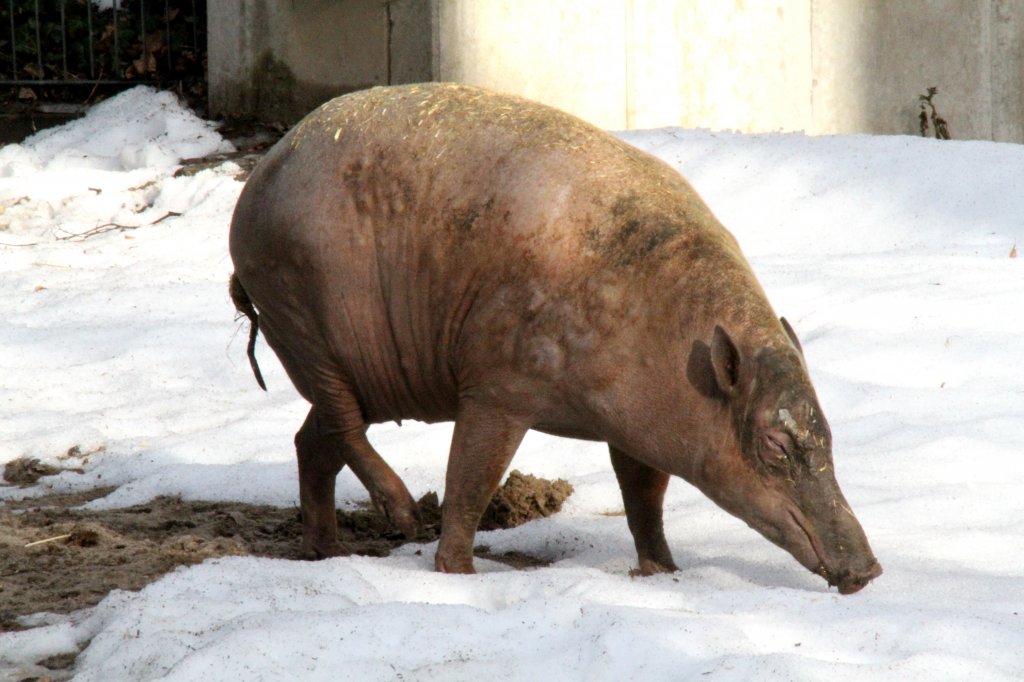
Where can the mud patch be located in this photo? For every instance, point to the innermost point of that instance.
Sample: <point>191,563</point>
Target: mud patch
<point>25,472</point>
<point>524,498</point>
<point>58,558</point>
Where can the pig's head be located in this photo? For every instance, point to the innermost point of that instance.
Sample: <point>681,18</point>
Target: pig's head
<point>769,460</point>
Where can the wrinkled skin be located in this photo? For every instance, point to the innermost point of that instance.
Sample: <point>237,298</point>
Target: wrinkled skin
<point>439,252</point>
<point>792,498</point>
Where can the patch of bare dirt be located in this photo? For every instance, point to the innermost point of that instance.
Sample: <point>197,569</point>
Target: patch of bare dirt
<point>251,139</point>
<point>59,558</point>
<point>524,498</point>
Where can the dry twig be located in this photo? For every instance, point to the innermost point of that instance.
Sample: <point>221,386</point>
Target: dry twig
<point>53,539</point>
<point>111,227</point>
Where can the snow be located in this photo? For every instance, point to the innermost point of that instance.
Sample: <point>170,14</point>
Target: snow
<point>890,255</point>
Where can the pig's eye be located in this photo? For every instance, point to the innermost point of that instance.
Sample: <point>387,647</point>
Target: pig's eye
<point>779,441</point>
<point>778,446</point>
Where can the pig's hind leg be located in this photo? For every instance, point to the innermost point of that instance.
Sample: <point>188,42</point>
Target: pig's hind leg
<point>319,464</point>
<point>332,436</point>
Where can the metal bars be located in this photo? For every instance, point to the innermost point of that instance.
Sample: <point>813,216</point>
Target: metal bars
<point>123,42</point>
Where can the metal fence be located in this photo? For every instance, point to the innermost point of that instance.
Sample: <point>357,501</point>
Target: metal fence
<point>101,42</point>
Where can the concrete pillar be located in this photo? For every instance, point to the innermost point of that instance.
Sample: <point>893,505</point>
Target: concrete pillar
<point>1007,59</point>
<point>278,59</point>
<point>410,42</point>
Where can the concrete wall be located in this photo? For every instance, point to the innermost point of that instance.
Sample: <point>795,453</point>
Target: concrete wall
<point>569,53</point>
<point>823,66</point>
<point>637,63</point>
<point>872,58</point>
<point>278,59</point>
<point>718,64</point>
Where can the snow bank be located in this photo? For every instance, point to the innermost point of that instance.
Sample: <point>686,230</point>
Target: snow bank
<point>102,167</point>
<point>138,128</point>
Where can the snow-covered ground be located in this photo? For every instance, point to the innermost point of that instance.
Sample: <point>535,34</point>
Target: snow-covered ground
<point>890,255</point>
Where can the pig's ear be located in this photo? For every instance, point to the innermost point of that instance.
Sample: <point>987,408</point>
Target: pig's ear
<point>791,334</point>
<point>725,360</point>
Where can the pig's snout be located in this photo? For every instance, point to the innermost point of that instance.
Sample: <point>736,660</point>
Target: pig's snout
<point>853,580</point>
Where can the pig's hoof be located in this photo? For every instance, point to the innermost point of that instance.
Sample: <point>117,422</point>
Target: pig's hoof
<point>323,550</point>
<point>649,567</point>
<point>443,565</point>
<point>407,521</point>
<point>401,512</point>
